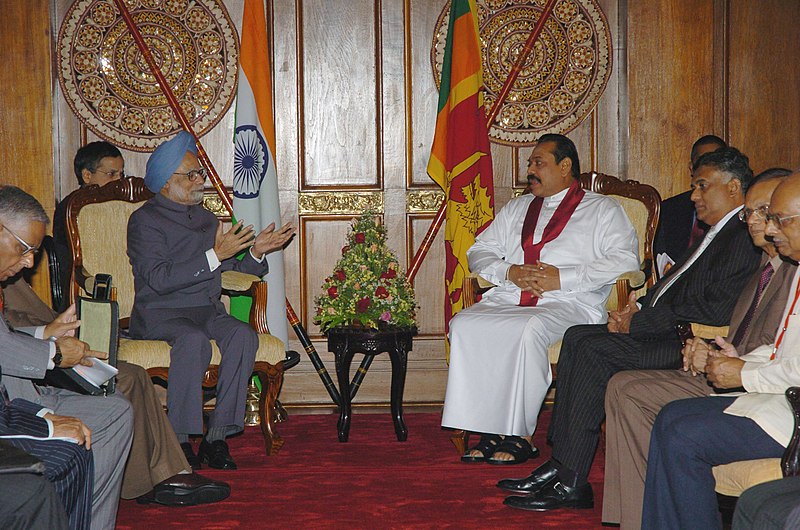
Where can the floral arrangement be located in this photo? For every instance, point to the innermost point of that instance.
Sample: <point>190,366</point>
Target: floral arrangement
<point>366,287</point>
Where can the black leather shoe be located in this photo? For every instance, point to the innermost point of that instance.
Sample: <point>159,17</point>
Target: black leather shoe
<point>291,360</point>
<point>216,454</point>
<point>187,490</point>
<point>192,458</point>
<point>555,495</point>
<point>541,476</point>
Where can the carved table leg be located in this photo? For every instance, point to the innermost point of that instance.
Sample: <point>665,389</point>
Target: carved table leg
<point>399,357</point>
<point>344,358</point>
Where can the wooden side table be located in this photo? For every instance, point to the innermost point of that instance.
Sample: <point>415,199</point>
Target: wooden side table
<point>345,342</point>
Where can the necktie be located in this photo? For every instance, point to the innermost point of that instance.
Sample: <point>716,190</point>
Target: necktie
<point>696,234</point>
<point>766,275</point>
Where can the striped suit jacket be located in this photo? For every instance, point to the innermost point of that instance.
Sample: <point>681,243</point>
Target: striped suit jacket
<point>706,292</point>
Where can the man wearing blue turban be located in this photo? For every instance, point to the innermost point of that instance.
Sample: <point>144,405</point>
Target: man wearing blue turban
<point>178,251</point>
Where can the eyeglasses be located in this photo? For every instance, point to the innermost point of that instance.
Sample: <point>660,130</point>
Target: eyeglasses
<point>114,174</point>
<point>27,249</point>
<point>759,213</point>
<point>196,175</point>
<point>783,222</point>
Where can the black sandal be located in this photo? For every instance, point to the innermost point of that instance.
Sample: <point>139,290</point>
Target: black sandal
<point>517,447</point>
<point>487,446</point>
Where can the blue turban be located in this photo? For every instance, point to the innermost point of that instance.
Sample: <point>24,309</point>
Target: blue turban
<point>166,158</point>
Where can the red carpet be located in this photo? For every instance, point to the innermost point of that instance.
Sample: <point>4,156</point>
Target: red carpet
<point>369,482</point>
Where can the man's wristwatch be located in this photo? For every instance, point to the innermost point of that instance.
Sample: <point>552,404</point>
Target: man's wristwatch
<point>57,357</point>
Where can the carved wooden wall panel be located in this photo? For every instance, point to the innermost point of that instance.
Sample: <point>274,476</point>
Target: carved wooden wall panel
<point>764,74</point>
<point>670,88</point>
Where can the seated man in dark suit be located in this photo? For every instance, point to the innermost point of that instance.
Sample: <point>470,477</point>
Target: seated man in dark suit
<point>68,466</point>
<point>95,164</point>
<point>702,288</point>
<point>691,436</point>
<point>157,469</point>
<point>178,251</point>
<point>678,225</point>
<point>634,397</point>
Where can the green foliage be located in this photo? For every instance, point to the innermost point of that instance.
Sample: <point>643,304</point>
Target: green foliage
<point>367,287</point>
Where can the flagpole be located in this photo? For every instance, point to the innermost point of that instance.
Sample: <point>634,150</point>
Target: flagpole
<point>438,220</point>
<point>219,187</point>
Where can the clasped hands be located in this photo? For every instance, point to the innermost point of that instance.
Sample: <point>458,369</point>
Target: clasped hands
<point>722,366</point>
<point>240,237</point>
<point>535,278</point>
<point>620,321</point>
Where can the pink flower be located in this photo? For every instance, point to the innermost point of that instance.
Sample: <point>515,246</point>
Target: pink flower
<point>363,304</point>
<point>385,316</point>
<point>332,292</point>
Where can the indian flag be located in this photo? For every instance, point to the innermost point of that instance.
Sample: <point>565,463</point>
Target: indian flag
<point>255,180</point>
<point>461,161</point>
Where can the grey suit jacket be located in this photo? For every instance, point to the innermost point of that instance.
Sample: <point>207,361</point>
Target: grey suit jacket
<point>23,360</point>
<point>167,244</point>
<point>767,316</point>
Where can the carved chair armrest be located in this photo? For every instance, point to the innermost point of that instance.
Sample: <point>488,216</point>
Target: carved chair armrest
<point>240,283</point>
<point>473,286</point>
<point>84,278</point>
<point>790,462</point>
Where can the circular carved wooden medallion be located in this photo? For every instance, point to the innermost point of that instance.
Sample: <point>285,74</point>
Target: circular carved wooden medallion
<point>563,77</point>
<point>109,86</point>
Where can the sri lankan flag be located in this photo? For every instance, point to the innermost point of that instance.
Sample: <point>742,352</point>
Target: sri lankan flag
<point>461,162</point>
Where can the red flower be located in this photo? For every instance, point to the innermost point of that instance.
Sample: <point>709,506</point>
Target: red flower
<point>360,237</point>
<point>363,304</point>
<point>332,292</point>
<point>381,292</point>
<point>345,249</point>
<point>339,275</point>
<point>388,275</point>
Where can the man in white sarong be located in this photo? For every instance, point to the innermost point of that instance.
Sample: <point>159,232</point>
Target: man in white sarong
<point>553,256</point>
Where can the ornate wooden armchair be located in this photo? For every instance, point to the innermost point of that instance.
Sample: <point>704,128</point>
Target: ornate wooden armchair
<point>97,220</point>
<point>642,204</point>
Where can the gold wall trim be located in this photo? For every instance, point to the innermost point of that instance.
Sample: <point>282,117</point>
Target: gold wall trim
<point>340,202</point>
<point>424,201</point>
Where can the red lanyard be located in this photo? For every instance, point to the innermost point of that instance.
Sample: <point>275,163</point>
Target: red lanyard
<point>785,323</point>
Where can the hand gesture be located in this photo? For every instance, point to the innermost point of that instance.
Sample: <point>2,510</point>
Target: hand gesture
<point>270,239</point>
<point>235,240</point>
<point>69,427</point>
<point>723,371</point>
<point>545,278</point>
<point>620,321</point>
<point>522,276</point>
<point>64,325</point>
<point>74,351</point>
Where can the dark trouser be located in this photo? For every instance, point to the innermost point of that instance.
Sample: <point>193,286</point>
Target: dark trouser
<point>29,501</point>
<point>189,331</point>
<point>70,468</point>
<point>772,505</point>
<point>589,357</point>
<point>690,437</point>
